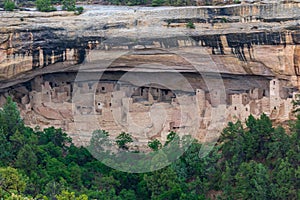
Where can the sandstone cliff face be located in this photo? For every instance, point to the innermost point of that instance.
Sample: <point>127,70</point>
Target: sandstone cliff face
<point>236,33</point>
<point>247,45</point>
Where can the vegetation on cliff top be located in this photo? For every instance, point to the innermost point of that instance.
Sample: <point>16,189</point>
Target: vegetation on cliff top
<point>9,5</point>
<point>255,161</point>
<point>46,5</point>
<point>171,2</point>
<point>31,3</point>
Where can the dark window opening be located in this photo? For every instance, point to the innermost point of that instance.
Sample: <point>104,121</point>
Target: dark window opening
<point>90,85</point>
<point>234,107</point>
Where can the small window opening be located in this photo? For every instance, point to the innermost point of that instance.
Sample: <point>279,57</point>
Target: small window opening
<point>90,85</point>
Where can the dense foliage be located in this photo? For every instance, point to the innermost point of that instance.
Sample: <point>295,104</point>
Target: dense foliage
<point>44,5</point>
<point>256,161</point>
<point>9,5</point>
<point>171,2</point>
<point>48,6</point>
<point>79,10</point>
<point>152,2</point>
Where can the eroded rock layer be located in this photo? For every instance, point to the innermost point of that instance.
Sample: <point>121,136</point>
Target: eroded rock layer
<point>143,71</point>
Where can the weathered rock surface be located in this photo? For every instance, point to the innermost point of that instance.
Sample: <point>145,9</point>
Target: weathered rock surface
<point>31,40</point>
<point>246,45</point>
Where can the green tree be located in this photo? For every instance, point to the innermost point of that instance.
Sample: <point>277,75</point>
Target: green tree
<point>294,152</point>
<point>66,195</point>
<point>257,138</point>
<point>11,181</point>
<point>79,10</point>
<point>279,144</point>
<point>106,183</point>
<point>296,104</point>
<point>123,140</point>
<point>78,155</point>
<point>171,137</point>
<point>284,176</point>
<point>18,197</point>
<point>69,5</point>
<point>252,182</point>
<point>57,169</point>
<point>104,194</point>
<point>26,159</point>
<point>9,5</point>
<point>75,176</point>
<point>55,136</point>
<point>127,194</point>
<point>163,184</point>
<point>44,6</point>
<point>157,2</point>
<point>190,25</point>
<point>6,155</point>
<point>10,120</point>
<point>99,142</point>
<point>155,145</point>
<point>231,138</point>
<point>54,188</point>
<point>159,160</point>
<point>173,146</point>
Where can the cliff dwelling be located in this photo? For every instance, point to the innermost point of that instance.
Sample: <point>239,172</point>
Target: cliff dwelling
<point>143,107</point>
<point>152,75</point>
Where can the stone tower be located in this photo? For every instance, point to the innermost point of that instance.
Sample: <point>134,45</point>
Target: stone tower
<point>275,99</point>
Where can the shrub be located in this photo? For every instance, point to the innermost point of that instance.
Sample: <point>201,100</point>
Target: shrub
<point>9,5</point>
<point>123,139</point>
<point>69,5</point>
<point>190,25</point>
<point>44,5</point>
<point>224,20</point>
<point>79,10</point>
<point>157,2</point>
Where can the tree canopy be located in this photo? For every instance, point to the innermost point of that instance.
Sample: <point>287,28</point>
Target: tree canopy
<point>254,160</point>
